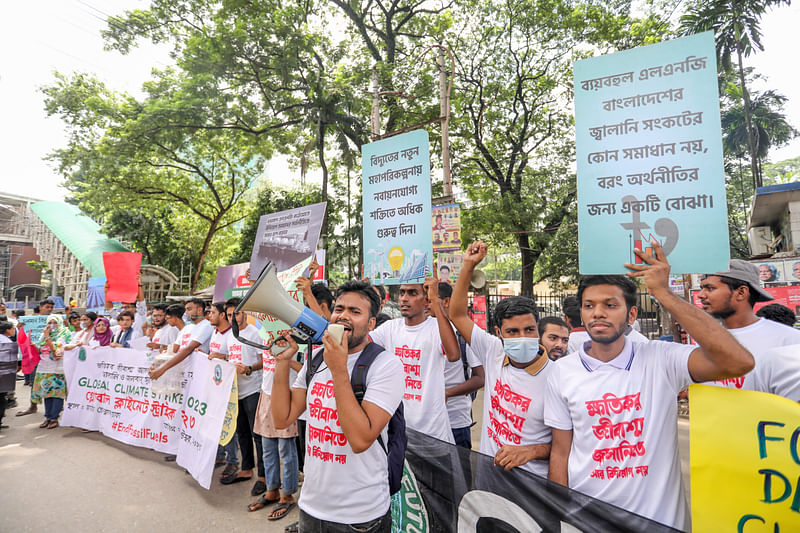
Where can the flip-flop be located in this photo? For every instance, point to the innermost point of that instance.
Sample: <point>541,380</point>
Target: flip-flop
<point>53,424</point>
<point>260,504</point>
<point>44,424</point>
<point>230,480</point>
<point>294,527</point>
<point>281,506</point>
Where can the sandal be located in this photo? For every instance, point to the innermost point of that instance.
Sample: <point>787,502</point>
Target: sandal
<point>45,423</point>
<point>53,424</point>
<point>230,480</point>
<point>294,527</point>
<point>283,506</point>
<point>260,504</point>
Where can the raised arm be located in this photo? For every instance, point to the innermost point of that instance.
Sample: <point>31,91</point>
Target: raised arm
<point>458,302</point>
<point>304,285</point>
<point>361,423</point>
<point>452,350</point>
<point>720,355</point>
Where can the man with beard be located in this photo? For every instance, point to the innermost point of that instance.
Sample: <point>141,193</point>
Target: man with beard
<point>554,336</point>
<point>516,369</point>
<point>423,344</point>
<point>730,296</point>
<point>612,405</point>
<point>346,484</point>
<point>164,334</point>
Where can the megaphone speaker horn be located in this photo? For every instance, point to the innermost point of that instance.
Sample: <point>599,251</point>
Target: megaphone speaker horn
<point>478,279</point>
<point>267,296</point>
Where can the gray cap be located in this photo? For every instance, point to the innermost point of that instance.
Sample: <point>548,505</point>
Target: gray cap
<point>748,272</point>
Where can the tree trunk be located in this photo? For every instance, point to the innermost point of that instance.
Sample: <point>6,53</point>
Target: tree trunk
<point>212,229</point>
<point>751,140</point>
<point>321,127</point>
<point>529,258</point>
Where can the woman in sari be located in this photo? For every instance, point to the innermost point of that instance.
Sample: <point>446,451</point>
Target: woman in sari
<point>49,383</point>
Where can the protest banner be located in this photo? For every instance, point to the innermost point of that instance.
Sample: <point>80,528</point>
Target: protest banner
<point>286,238</point>
<point>122,271</point>
<point>319,273</point>
<point>449,266</point>
<point>270,327</point>
<point>34,326</point>
<point>771,271</point>
<point>745,462</point>
<point>109,391</point>
<point>446,228</point>
<point>95,295</point>
<point>649,157</point>
<point>446,488</point>
<point>231,282</point>
<point>396,187</point>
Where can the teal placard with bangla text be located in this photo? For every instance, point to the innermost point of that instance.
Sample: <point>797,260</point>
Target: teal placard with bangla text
<point>649,157</point>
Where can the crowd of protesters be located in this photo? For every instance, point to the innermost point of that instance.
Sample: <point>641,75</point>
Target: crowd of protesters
<point>555,388</point>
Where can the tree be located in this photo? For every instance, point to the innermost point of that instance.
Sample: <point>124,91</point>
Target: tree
<point>735,24</point>
<point>119,157</point>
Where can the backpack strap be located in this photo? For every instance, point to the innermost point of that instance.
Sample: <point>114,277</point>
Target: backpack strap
<point>462,344</point>
<point>313,366</point>
<point>358,379</point>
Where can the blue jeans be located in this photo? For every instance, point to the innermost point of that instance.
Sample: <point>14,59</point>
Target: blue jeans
<point>462,437</point>
<point>53,407</point>
<point>228,452</point>
<point>279,451</point>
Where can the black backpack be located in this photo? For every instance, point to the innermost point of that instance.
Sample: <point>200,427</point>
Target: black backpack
<point>396,449</point>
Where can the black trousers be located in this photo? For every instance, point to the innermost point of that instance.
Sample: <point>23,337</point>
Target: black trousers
<point>244,431</point>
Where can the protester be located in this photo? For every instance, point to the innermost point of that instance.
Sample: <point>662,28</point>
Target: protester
<point>516,368</point>
<point>554,336</point>
<point>138,309</point>
<point>175,314</point>
<point>462,379</point>
<point>102,333</point>
<point>612,405</point>
<point>277,446</point>
<point>164,334</point>
<point>74,321</point>
<point>316,296</point>
<point>200,335</point>
<point>8,366</point>
<point>346,482</point>
<point>31,356</point>
<point>126,333</point>
<point>50,383</point>
<point>85,332</point>
<point>571,308</point>
<point>3,316</point>
<point>730,297</point>
<point>777,313</point>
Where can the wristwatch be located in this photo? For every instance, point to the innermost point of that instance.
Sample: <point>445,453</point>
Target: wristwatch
<point>249,370</point>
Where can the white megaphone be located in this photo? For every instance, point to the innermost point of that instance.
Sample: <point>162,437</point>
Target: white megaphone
<point>268,296</point>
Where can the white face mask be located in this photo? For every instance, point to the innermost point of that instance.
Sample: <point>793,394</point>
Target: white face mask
<point>521,350</point>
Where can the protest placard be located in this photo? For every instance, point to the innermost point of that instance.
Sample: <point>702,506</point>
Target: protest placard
<point>122,271</point>
<point>286,238</point>
<point>649,156</point>
<point>34,325</point>
<point>231,282</point>
<point>109,391</point>
<point>396,187</point>
<point>744,460</point>
<point>446,228</point>
<point>449,266</point>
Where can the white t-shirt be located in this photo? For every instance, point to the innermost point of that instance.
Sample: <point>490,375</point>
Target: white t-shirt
<point>341,485</point>
<point>419,349</point>
<point>513,401</point>
<point>459,408</point>
<point>218,342</point>
<point>201,333</point>
<point>623,415</point>
<point>268,376</point>
<point>243,354</point>
<point>776,371</point>
<point>576,339</point>
<point>184,335</point>
<point>165,335</point>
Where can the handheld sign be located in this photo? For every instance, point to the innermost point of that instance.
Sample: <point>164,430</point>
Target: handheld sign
<point>398,246</point>
<point>122,269</point>
<point>649,156</point>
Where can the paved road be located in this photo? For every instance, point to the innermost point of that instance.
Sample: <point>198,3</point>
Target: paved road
<point>64,480</point>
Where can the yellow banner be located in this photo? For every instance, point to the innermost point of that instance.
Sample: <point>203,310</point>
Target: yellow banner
<point>229,423</point>
<point>745,461</point>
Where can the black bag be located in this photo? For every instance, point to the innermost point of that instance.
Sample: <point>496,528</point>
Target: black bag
<point>396,449</point>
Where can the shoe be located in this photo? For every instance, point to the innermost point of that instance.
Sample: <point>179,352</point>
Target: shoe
<point>230,470</point>
<point>259,488</point>
<point>29,411</point>
<point>3,426</point>
<point>170,458</point>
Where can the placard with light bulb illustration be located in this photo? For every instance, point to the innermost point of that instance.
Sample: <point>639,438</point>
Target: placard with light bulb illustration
<point>396,183</point>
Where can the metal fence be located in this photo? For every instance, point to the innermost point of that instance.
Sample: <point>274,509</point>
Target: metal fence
<point>549,304</point>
